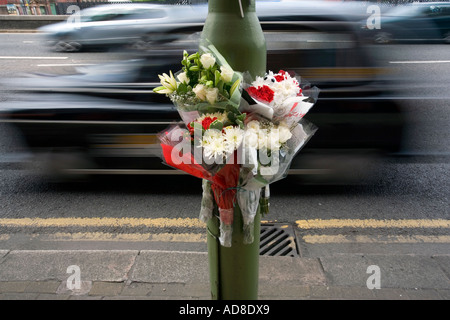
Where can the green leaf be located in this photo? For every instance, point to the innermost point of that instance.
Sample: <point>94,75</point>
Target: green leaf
<point>217,76</point>
<point>194,68</point>
<point>231,116</point>
<point>240,123</point>
<point>235,86</point>
<point>216,125</point>
<point>182,88</point>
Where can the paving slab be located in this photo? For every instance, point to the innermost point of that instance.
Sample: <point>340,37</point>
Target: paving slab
<point>41,265</point>
<point>170,267</point>
<point>406,271</point>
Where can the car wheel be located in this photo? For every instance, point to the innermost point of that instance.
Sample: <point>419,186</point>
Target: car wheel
<point>67,46</point>
<point>382,38</point>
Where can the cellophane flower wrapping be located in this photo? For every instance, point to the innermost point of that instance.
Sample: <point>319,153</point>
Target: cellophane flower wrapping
<point>275,131</point>
<point>238,136</point>
<point>207,94</point>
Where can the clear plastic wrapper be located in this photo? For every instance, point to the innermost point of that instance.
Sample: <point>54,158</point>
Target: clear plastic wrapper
<point>239,136</point>
<point>248,201</point>
<point>207,205</point>
<point>278,97</point>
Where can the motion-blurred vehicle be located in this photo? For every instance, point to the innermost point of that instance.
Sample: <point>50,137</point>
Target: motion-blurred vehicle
<point>125,24</point>
<point>141,26</point>
<point>105,119</point>
<point>417,22</point>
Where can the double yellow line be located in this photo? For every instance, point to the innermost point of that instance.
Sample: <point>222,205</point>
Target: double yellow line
<point>419,224</point>
<point>199,235</point>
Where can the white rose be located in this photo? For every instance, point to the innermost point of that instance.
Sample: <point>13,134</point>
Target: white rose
<point>183,78</point>
<point>226,74</point>
<point>273,140</point>
<point>285,134</point>
<point>207,60</point>
<point>211,95</point>
<point>262,138</point>
<point>200,91</point>
<point>253,125</point>
<point>251,139</point>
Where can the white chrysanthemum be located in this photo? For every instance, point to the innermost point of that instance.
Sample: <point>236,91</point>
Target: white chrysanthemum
<point>222,117</point>
<point>214,147</point>
<point>282,90</point>
<point>233,137</point>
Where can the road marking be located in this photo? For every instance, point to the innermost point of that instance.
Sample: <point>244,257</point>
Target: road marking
<point>414,239</point>
<point>32,58</point>
<point>372,223</point>
<point>102,222</point>
<point>102,236</point>
<point>421,61</point>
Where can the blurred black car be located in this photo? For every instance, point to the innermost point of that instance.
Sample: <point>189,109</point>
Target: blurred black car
<point>104,120</point>
<point>418,22</point>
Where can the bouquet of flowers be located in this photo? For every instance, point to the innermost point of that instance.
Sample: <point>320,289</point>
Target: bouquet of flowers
<point>238,136</point>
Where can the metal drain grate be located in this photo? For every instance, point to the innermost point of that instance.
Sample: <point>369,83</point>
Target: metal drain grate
<point>277,239</point>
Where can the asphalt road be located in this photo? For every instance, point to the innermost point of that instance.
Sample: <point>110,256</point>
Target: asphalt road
<point>37,213</point>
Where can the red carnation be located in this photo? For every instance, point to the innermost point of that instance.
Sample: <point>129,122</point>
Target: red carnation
<point>207,122</point>
<point>263,93</point>
<point>281,76</point>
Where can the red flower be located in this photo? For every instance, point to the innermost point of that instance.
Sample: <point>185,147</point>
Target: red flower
<point>281,76</point>
<point>263,93</point>
<point>207,122</point>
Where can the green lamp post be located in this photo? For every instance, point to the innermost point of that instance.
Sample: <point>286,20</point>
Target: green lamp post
<point>232,26</point>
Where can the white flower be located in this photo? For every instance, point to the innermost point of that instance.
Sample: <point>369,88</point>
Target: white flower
<point>273,140</point>
<point>226,74</point>
<point>233,137</point>
<point>183,77</point>
<point>285,133</point>
<point>262,138</point>
<point>253,125</point>
<point>207,60</point>
<point>222,117</point>
<point>212,94</point>
<point>251,139</point>
<point>169,83</point>
<point>200,91</point>
<point>213,145</point>
<point>211,135</point>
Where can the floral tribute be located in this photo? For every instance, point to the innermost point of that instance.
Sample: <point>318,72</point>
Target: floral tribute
<point>239,134</point>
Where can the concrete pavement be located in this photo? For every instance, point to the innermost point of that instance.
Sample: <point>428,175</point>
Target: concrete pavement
<point>173,275</point>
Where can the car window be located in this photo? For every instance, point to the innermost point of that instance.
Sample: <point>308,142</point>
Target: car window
<point>324,52</point>
<point>433,11</point>
<point>444,11</point>
<point>149,14</point>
